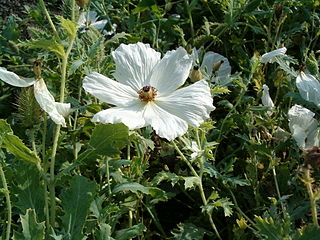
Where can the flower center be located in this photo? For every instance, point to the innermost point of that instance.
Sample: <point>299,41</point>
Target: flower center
<point>147,93</point>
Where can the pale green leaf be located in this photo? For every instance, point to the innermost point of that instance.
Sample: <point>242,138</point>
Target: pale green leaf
<point>104,232</point>
<point>48,45</point>
<point>69,26</point>
<point>131,232</point>
<point>191,182</point>
<point>130,186</point>
<point>75,203</point>
<point>188,231</point>
<point>31,229</point>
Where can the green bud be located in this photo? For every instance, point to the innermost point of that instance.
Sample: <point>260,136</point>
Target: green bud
<point>82,3</point>
<point>195,74</point>
<point>29,111</point>
<point>37,65</point>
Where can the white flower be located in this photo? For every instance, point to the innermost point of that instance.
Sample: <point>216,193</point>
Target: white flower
<point>195,149</point>
<point>266,99</point>
<point>309,88</point>
<point>270,57</point>
<point>147,91</point>
<point>304,127</point>
<point>214,66</point>
<point>89,19</point>
<point>57,111</point>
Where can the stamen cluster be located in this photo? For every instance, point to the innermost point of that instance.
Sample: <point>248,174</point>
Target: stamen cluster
<point>147,93</point>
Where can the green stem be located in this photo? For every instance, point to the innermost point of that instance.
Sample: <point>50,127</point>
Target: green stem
<point>52,177</point>
<point>278,190</point>
<point>190,20</point>
<point>49,18</point>
<point>200,186</point>
<point>72,10</point>
<point>8,201</point>
<point>308,182</point>
<point>185,160</point>
<point>57,133</point>
<point>108,176</point>
<point>33,141</point>
<point>45,169</point>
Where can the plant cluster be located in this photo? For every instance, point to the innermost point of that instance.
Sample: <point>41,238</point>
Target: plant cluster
<point>188,119</point>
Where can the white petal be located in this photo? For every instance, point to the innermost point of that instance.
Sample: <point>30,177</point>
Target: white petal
<point>63,108</point>
<point>266,99</point>
<point>172,71</point>
<point>270,56</point>
<point>47,103</point>
<point>109,91</point>
<point>309,88</point>
<point>99,24</point>
<point>209,59</point>
<point>192,104</point>
<point>14,80</point>
<point>131,116</point>
<point>164,123</point>
<point>303,126</point>
<point>134,63</point>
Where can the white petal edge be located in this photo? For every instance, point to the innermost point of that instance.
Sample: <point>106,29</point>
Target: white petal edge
<point>309,87</point>
<point>172,71</point>
<point>269,57</point>
<point>134,64</point>
<point>63,109</point>
<point>85,17</point>
<point>131,116</point>
<point>110,91</point>
<point>14,80</point>
<point>303,126</point>
<point>209,59</point>
<point>165,124</point>
<point>266,99</point>
<point>193,104</point>
<point>99,24</point>
<point>47,103</point>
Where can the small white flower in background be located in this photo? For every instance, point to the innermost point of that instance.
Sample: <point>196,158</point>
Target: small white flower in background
<point>270,57</point>
<point>146,91</point>
<point>309,87</point>
<point>266,99</point>
<point>195,149</point>
<point>89,19</point>
<point>304,127</point>
<point>57,111</point>
<point>213,66</point>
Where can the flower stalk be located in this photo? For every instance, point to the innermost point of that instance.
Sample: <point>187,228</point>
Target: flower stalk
<point>57,133</point>
<point>200,186</point>
<point>308,180</point>
<point>6,192</point>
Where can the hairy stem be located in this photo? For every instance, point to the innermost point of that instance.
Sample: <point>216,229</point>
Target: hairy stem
<point>57,133</point>
<point>308,182</point>
<point>8,201</point>
<point>49,18</point>
<point>200,186</point>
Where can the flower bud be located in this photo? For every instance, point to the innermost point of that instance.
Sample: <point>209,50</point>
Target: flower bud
<point>82,3</point>
<point>29,111</point>
<point>37,65</point>
<point>195,74</point>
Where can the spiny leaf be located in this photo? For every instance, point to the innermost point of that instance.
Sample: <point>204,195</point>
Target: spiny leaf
<point>32,230</point>
<point>76,202</point>
<point>48,45</point>
<point>69,26</point>
<point>14,144</point>
<point>131,232</point>
<point>188,231</point>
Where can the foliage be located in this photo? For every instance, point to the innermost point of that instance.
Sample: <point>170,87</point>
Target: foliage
<point>246,175</point>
